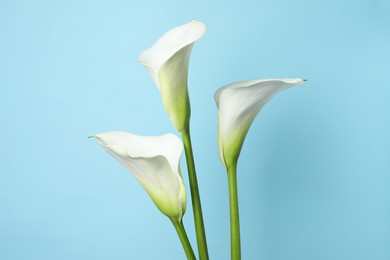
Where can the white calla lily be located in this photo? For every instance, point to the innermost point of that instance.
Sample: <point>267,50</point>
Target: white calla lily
<point>238,104</point>
<point>167,61</point>
<point>154,162</point>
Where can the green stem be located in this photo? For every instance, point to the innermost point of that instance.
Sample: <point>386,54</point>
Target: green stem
<point>235,243</point>
<point>184,239</point>
<point>195,198</point>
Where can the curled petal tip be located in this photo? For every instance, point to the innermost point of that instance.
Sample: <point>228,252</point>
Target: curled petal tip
<point>92,136</point>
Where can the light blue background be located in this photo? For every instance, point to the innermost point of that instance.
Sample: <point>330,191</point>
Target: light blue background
<point>314,174</point>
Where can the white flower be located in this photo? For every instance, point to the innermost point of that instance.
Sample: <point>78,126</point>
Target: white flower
<point>167,61</point>
<point>238,104</point>
<point>154,162</point>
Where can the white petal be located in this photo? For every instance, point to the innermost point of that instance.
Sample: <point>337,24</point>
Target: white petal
<point>168,145</point>
<point>173,76</point>
<point>170,43</point>
<point>154,161</point>
<point>238,104</point>
<point>167,62</point>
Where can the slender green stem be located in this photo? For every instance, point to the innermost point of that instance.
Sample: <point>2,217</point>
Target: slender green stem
<point>235,243</point>
<point>196,205</point>
<point>184,239</point>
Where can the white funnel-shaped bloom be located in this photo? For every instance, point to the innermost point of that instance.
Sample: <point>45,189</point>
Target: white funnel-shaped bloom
<point>238,104</point>
<point>154,162</point>
<point>167,61</point>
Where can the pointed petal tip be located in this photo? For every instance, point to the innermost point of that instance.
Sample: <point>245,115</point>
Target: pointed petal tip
<point>300,82</point>
<point>197,25</point>
<point>92,136</point>
<point>193,20</point>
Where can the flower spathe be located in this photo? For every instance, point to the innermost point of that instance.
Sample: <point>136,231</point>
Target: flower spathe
<point>154,162</point>
<point>238,104</point>
<point>167,61</point>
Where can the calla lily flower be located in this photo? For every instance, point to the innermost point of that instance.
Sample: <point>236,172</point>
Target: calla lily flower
<point>154,162</point>
<point>167,61</point>
<point>238,104</point>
